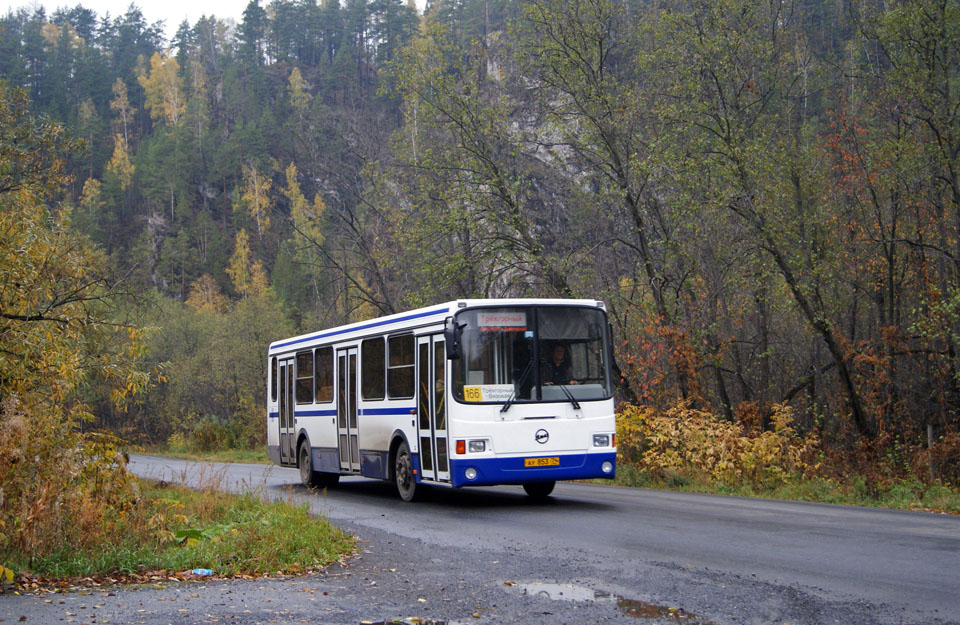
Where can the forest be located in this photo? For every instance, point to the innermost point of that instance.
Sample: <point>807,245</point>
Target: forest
<point>765,193</point>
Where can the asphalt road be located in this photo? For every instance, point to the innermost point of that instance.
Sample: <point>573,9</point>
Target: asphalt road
<point>588,554</point>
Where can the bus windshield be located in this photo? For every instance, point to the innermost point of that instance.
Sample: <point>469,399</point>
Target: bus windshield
<point>535,353</point>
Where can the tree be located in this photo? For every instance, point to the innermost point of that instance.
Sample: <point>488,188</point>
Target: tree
<point>58,329</point>
<point>164,89</point>
<point>299,98</point>
<point>474,152</point>
<point>120,164</point>
<point>255,197</point>
<point>121,105</point>
<point>252,33</point>
<point>308,223</point>
<point>249,278</point>
<point>205,295</point>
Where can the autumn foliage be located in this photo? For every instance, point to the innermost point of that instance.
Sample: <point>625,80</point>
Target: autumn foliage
<point>695,443</point>
<point>58,332</point>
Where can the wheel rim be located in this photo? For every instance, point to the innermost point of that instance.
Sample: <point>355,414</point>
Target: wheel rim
<point>404,471</point>
<point>304,468</point>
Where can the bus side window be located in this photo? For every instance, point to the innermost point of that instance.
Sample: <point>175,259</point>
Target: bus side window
<point>400,369</point>
<point>373,368</point>
<point>273,379</point>
<point>304,377</point>
<point>323,370</point>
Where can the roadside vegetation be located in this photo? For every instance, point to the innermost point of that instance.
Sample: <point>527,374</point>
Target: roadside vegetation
<point>693,450</point>
<point>69,338</point>
<point>252,456</point>
<point>170,531</point>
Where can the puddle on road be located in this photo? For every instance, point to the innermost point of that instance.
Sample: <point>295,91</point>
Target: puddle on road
<point>564,592</point>
<point>629,607</point>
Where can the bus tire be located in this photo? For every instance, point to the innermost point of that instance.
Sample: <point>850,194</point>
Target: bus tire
<point>539,490</point>
<point>309,477</point>
<point>404,476</point>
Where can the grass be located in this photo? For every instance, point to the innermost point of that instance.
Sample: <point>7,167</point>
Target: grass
<point>854,491</point>
<point>247,456</point>
<point>178,529</point>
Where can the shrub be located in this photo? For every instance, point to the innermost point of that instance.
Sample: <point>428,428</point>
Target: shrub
<point>695,443</point>
<point>58,486</point>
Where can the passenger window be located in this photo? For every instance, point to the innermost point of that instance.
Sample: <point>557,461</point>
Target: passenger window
<point>273,379</point>
<point>324,374</point>
<point>400,369</point>
<point>373,367</point>
<point>304,392</point>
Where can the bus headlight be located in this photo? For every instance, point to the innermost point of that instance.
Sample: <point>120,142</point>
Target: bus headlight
<point>601,440</point>
<point>606,467</point>
<point>471,473</point>
<point>477,447</point>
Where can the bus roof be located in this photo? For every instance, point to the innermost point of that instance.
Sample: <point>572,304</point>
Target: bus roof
<point>426,315</point>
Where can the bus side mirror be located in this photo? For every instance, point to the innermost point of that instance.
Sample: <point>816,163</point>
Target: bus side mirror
<point>451,335</point>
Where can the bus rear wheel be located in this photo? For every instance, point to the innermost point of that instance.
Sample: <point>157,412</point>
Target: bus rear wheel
<point>404,476</point>
<point>539,490</point>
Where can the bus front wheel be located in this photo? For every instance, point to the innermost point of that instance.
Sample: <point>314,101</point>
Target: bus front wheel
<point>539,490</point>
<point>404,476</point>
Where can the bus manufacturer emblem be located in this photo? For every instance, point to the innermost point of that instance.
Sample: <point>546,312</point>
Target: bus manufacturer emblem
<point>542,436</point>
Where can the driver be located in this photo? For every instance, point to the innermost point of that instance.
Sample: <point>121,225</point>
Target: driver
<point>557,368</point>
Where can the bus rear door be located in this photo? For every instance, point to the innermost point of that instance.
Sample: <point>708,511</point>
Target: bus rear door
<point>347,409</point>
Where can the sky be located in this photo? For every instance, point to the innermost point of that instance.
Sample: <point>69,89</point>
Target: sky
<point>173,12</point>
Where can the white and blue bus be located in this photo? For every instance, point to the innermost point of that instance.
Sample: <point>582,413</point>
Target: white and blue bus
<point>467,393</point>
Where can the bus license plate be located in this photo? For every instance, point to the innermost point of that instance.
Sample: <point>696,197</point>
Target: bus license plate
<point>541,462</point>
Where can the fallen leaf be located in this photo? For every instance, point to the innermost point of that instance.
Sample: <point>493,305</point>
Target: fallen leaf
<point>421,600</point>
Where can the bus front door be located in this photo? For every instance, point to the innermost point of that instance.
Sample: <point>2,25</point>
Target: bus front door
<point>347,409</point>
<point>432,408</point>
<point>287,431</point>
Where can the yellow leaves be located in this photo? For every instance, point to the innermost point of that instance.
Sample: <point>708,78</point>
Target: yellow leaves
<point>120,163</point>
<point>249,278</point>
<point>6,575</point>
<point>205,295</point>
<point>164,89</point>
<point>255,196</point>
<point>121,105</point>
<point>90,197</point>
<point>685,440</point>
<point>299,98</point>
<point>307,217</point>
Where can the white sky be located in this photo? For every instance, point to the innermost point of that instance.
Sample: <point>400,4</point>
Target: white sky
<point>171,11</point>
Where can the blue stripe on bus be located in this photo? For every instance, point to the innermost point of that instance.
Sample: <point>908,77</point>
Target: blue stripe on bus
<point>316,413</point>
<point>511,470</point>
<point>387,411</point>
<point>362,411</point>
<point>375,324</point>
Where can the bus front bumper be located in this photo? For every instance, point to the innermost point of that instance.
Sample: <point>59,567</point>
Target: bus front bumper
<point>515,470</point>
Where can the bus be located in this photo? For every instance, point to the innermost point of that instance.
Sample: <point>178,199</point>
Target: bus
<point>474,392</point>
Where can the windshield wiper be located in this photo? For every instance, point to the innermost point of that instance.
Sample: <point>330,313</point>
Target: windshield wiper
<point>520,381</point>
<point>573,400</point>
